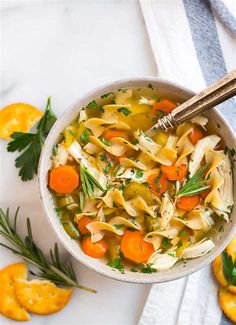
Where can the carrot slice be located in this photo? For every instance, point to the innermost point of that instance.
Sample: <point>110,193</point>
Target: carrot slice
<point>134,248</point>
<point>109,134</point>
<point>187,203</point>
<point>196,134</point>
<point>64,179</point>
<point>174,173</point>
<point>157,183</point>
<point>165,106</point>
<point>95,250</point>
<point>82,225</point>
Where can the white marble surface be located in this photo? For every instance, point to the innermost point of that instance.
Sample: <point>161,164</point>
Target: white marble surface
<point>63,49</point>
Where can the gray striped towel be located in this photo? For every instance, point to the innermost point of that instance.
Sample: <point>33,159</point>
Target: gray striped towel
<point>194,44</point>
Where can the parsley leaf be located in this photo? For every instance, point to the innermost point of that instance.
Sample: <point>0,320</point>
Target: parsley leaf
<point>124,110</point>
<point>105,141</point>
<point>157,179</point>
<point>119,226</point>
<point>147,268</point>
<point>229,268</point>
<point>135,141</point>
<point>107,95</point>
<point>94,105</point>
<point>85,136</point>
<point>116,265</point>
<point>31,144</point>
<point>139,174</point>
<point>166,243</point>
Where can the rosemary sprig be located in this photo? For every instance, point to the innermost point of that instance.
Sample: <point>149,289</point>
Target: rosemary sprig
<point>51,269</point>
<point>88,182</point>
<point>195,185</point>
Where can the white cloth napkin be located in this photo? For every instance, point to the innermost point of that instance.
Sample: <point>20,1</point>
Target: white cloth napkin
<point>179,54</point>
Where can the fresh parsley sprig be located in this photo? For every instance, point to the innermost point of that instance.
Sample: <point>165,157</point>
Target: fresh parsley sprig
<point>51,269</point>
<point>31,144</point>
<point>229,268</point>
<point>194,185</point>
<point>88,182</point>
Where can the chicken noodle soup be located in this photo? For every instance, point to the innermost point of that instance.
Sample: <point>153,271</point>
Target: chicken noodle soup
<point>140,203</point>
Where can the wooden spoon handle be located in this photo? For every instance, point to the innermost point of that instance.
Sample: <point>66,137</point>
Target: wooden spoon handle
<point>219,92</point>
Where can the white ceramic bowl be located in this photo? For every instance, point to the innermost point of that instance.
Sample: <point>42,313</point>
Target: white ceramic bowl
<point>72,246</point>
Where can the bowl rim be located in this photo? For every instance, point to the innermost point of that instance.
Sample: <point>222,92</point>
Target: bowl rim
<point>145,278</point>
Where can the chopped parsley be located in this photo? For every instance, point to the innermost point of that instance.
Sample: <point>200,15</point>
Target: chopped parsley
<point>183,233</point>
<point>232,152</point>
<point>159,112</point>
<point>133,270</point>
<point>85,136</point>
<point>119,226</point>
<point>166,243</point>
<point>135,141</point>
<point>106,142</point>
<point>55,149</point>
<point>103,157</point>
<point>116,264</point>
<point>150,86</point>
<point>57,210</point>
<point>107,95</point>
<point>108,167</point>
<point>139,174</point>
<point>157,179</point>
<point>94,105</point>
<point>123,90</point>
<point>147,268</point>
<point>124,110</point>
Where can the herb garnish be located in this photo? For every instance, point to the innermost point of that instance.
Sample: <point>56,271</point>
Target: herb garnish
<point>135,141</point>
<point>88,182</point>
<point>147,268</point>
<point>119,226</point>
<point>229,268</point>
<point>31,144</point>
<point>116,264</point>
<point>166,243</point>
<point>85,136</point>
<point>107,95</point>
<point>52,269</point>
<point>94,105</point>
<point>124,110</point>
<point>81,200</point>
<point>106,142</point>
<point>108,167</point>
<point>195,185</point>
<point>55,149</point>
<point>139,174</point>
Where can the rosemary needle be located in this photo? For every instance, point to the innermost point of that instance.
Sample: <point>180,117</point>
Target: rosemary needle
<point>194,185</point>
<point>88,182</point>
<point>52,269</point>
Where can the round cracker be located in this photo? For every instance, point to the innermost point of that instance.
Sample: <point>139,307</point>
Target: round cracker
<point>227,301</point>
<point>218,272</point>
<point>41,297</point>
<point>18,117</point>
<point>231,248</point>
<point>9,305</point>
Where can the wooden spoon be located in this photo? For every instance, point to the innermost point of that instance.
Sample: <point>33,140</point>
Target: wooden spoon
<point>219,92</point>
